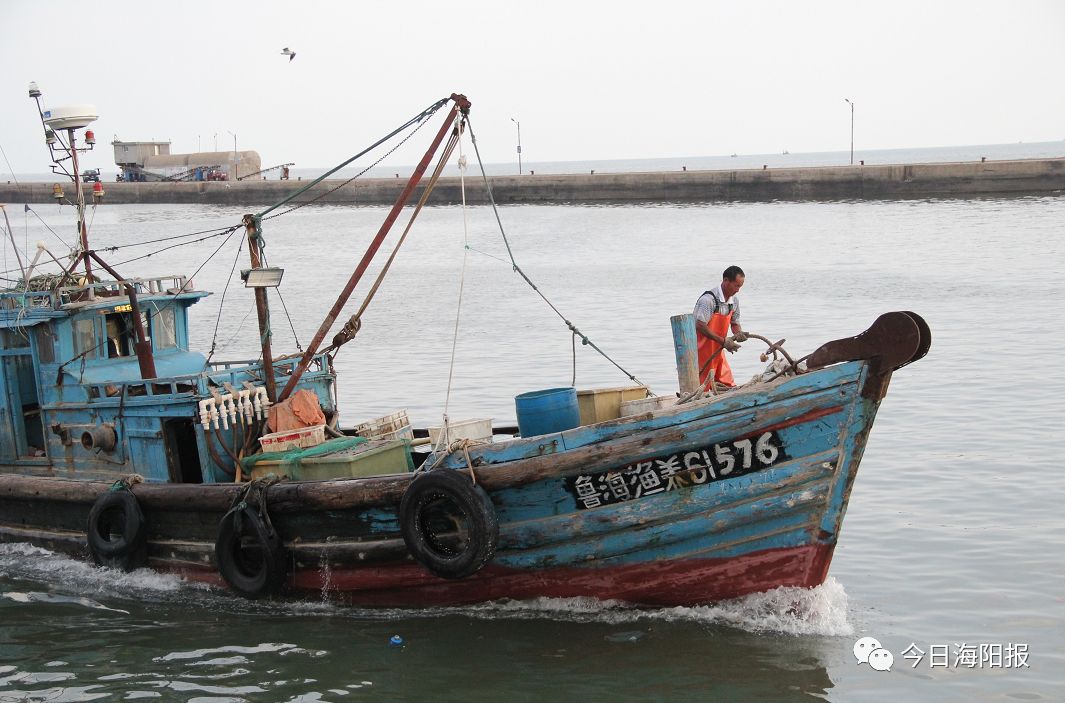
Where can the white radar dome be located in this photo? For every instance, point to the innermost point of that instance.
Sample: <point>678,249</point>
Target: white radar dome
<point>70,117</point>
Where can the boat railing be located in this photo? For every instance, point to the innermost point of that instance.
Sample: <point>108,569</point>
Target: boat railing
<point>237,371</point>
<point>171,284</point>
<point>198,385</point>
<point>11,300</point>
<point>89,292</point>
<point>159,389</point>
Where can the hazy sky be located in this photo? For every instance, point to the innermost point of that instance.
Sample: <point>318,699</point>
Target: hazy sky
<point>587,80</point>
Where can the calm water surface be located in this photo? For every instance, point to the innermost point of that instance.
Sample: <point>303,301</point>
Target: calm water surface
<point>953,538</point>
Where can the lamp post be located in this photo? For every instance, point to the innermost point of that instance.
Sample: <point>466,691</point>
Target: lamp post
<point>847,100</point>
<point>519,143</point>
<point>234,175</point>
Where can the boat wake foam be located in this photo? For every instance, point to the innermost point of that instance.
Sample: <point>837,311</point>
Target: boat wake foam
<point>26,562</point>
<point>789,610</point>
<point>797,611</point>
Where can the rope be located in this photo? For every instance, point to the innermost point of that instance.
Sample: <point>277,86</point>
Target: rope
<point>127,483</point>
<point>218,319</point>
<point>710,383</point>
<point>290,324</point>
<point>517,269</point>
<point>574,381</point>
<point>92,217</point>
<point>253,493</point>
<point>490,256</point>
<point>464,445</point>
<point>227,231</point>
<point>13,176</point>
<point>237,332</point>
<point>166,239</point>
<point>29,209</point>
<point>195,273</point>
<point>358,175</point>
<point>354,323</point>
<point>462,284</point>
<point>421,118</point>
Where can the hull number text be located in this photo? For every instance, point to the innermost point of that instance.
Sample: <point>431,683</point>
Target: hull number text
<point>717,462</point>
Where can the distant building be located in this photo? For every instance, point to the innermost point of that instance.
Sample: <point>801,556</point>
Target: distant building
<point>152,161</point>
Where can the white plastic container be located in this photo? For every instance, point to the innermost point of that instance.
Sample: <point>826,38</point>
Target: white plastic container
<point>393,426</point>
<point>646,405</point>
<point>293,439</point>
<point>480,430</point>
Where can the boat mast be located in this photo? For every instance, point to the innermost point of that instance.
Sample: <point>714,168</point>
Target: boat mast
<point>83,230</point>
<point>253,225</point>
<point>142,345</point>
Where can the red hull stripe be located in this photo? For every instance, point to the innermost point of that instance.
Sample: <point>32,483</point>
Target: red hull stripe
<point>678,582</point>
<point>805,417</point>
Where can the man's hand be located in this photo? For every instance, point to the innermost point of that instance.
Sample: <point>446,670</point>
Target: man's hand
<point>740,336</point>
<point>731,345</point>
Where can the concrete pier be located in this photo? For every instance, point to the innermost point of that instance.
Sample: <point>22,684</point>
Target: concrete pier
<point>963,179</point>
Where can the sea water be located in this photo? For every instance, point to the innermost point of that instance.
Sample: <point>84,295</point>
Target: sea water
<point>952,542</point>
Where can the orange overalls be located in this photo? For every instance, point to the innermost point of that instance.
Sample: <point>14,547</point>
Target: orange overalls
<point>720,325</point>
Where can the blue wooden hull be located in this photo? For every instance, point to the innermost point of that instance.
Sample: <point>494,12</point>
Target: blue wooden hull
<point>685,505</point>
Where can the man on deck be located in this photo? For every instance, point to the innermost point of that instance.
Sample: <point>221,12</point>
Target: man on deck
<point>717,312</point>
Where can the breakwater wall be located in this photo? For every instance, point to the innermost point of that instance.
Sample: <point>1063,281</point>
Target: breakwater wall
<point>963,179</point>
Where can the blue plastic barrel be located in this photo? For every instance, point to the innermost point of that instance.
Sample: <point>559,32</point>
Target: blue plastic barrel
<point>547,411</point>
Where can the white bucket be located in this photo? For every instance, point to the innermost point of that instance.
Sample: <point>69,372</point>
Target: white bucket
<point>480,430</point>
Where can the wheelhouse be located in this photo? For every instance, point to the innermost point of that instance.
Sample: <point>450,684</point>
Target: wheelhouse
<point>73,402</point>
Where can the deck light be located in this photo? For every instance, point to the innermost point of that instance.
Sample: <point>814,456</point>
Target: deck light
<point>262,278</point>
<point>35,92</point>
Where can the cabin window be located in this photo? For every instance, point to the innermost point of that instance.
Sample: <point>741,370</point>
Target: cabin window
<point>85,338</point>
<point>165,329</point>
<point>45,343</point>
<point>120,334</point>
<point>15,339</point>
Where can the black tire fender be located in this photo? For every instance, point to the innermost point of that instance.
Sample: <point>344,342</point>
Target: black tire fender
<point>249,553</point>
<point>116,532</point>
<point>451,557</point>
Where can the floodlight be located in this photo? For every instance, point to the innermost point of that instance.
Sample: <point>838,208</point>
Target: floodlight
<point>262,278</point>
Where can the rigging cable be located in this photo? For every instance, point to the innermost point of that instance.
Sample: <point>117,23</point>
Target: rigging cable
<point>462,284</point>
<point>517,269</point>
<point>299,347</point>
<point>228,231</point>
<point>218,319</point>
<point>29,209</point>
<point>354,323</point>
<point>422,117</point>
<point>282,299</point>
<point>358,175</point>
<point>11,171</point>
<point>165,239</point>
<point>195,273</point>
<point>236,332</point>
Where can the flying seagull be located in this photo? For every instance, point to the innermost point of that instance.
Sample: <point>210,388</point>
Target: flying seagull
<point>289,53</point>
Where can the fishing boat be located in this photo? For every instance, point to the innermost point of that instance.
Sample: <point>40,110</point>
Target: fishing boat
<point>120,444</point>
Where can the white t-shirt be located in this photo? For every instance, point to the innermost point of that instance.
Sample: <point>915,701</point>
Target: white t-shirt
<point>713,301</point>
